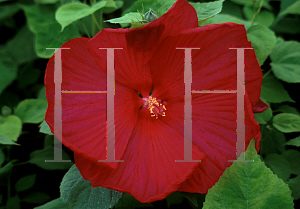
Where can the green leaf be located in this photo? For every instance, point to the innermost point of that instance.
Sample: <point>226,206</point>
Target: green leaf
<point>68,1</point>
<point>264,117</point>
<point>8,71</point>
<point>133,17</point>
<point>6,111</point>
<point>287,25</point>
<point>137,25</point>
<point>2,157</point>
<point>21,47</point>
<point>66,14</point>
<point>9,98</point>
<point>158,6</point>
<point>289,7</point>
<point>52,37</point>
<point>87,24</point>
<point>128,201</point>
<point>127,4</point>
<point>250,3</point>
<point>54,204</point>
<point>287,122</point>
<point>7,11</point>
<point>39,16</point>
<point>288,109</point>
<point>293,156</point>
<point>5,140</point>
<point>174,199</point>
<point>249,185</point>
<point>46,1</point>
<point>79,193</point>
<point>25,183</point>
<point>294,142</point>
<point>223,18</point>
<point>264,18</point>
<point>263,40</point>
<point>207,10</point>
<point>38,158</point>
<point>31,110</point>
<point>273,91</point>
<point>6,170</point>
<point>200,200</point>
<point>28,75</point>
<point>44,128</point>
<point>42,93</point>
<point>36,198</point>
<point>232,9</point>
<point>41,21</point>
<point>286,61</point>
<point>112,6</point>
<point>49,140</point>
<point>11,127</point>
<point>294,186</point>
<point>13,203</point>
<point>191,197</point>
<point>272,141</point>
<point>279,165</point>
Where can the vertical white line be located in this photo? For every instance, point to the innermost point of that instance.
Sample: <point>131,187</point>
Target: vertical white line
<point>188,145</point>
<point>188,104</point>
<point>240,112</point>
<point>57,107</point>
<point>110,107</point>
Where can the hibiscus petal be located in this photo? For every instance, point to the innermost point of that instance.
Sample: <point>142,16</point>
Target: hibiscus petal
<point>260,107</point>
<point>143,41</point>
<point>128,70</point>
<point>214,115</point>
<point>214,64</point>
<point>139,44</point>
<point>149,171</point>
<point>214,132</point>
<point>84,114</point>
<point>252,126</point>
<point>149,146</point>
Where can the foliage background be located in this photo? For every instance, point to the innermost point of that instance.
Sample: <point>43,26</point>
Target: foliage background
<point>29,26</point>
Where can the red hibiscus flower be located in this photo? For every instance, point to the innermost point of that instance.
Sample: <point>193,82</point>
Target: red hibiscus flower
<point>149,145</point>
<point>260,107</point>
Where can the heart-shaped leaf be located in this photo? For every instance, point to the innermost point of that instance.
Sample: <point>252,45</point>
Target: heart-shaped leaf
<point>11,127</point>
<point>66,14</point>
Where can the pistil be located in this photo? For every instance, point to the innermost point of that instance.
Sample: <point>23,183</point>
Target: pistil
<point>155,106</point>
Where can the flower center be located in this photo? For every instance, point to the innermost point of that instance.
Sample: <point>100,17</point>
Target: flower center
<point>155,106</point>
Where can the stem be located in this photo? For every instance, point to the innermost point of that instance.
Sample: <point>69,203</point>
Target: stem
<point>8,187</point>
<point>93,28</point>
<point>101,19</point>
<point>8,179</point>
<point>85,29</point>
<point>22,163</point>
<point>257,12</point>
<point>262,129</point>
<point>95,20</point>
<point>267,73</point>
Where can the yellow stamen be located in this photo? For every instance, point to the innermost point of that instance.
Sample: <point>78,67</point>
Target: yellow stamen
<point>155,107</point>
